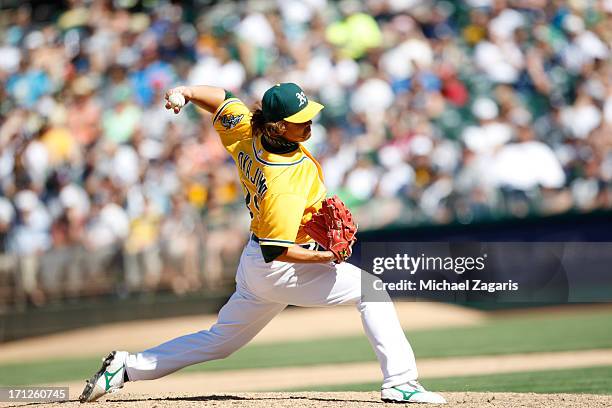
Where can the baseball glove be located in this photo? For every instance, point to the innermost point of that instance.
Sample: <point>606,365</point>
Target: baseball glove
<point>333,228</point>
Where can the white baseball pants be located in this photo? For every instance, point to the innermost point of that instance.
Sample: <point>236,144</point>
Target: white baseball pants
<point>263,290</point>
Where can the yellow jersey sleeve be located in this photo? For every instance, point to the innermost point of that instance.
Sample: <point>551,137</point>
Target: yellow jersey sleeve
<point>232,120</point>
<point>281,216</point>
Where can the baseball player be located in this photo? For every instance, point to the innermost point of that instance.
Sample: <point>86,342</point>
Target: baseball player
<point>280,266</point>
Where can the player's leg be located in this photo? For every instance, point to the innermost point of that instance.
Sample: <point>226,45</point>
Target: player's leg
<point>330,284</point>
<point>239,320</point>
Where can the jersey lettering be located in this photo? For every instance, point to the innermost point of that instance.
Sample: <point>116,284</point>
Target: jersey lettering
<point>257,180</point>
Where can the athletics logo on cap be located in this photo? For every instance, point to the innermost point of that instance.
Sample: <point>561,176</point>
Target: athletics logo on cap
<point>302,98</point>
<point>287,101</point>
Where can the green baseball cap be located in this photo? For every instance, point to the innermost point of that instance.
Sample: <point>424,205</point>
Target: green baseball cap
<point>287,101</point>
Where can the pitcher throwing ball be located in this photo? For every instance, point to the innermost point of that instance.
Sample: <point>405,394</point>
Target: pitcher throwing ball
<point>280,265</point>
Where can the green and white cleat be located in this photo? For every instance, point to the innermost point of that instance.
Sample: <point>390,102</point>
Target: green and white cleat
<point>409,392</point>
<point>109,378</point>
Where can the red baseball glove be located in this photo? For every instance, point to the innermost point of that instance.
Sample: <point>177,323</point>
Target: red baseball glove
<point>333,228</point>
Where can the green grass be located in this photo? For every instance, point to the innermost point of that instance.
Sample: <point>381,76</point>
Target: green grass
<point>577,331</point>
<point>594,380</point>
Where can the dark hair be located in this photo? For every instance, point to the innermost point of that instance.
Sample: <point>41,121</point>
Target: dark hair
<point>261,127</point>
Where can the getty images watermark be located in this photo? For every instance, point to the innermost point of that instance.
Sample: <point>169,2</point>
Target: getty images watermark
<point>404,263</point>
<point>34,394</point>
<point>487,272</point>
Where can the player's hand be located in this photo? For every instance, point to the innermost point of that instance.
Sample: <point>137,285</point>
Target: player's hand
<point>171,104</point>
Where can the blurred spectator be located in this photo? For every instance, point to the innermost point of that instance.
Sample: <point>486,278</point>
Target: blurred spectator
<point>84,112</point>
<point>142,262</point>
<point>491,133</point>
<point>30,238</point>
<point>119,122</point>
<point>28,84</point>
<point>527,164</point>
<point>181,239</point>
<point>7,258</point>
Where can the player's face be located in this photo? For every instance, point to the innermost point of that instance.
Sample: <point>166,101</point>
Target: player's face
<point>297,132</point>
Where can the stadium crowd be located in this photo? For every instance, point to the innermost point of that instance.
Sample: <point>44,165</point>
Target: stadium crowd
<point>436,112</point>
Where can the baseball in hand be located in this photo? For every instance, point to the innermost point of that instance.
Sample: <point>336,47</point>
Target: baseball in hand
<point>177,100</point>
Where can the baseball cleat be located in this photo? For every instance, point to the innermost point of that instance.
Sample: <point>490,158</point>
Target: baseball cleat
<point>109,378</point>
<point>411,391</point>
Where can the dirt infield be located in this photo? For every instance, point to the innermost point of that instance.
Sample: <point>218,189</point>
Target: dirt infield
<point>339,400</point>
<point>279,378</point>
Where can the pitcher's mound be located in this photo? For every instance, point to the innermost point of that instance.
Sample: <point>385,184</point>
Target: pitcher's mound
<point>339,399</point>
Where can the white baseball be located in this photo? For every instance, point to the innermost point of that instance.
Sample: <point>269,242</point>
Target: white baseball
<point>177,100</point>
